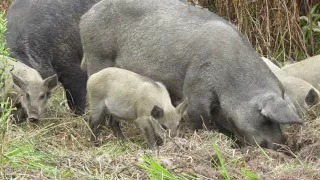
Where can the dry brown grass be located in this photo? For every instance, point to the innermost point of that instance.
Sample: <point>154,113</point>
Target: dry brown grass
<point>272,26</point>
<point>61,144</point>
<point>4,5</point>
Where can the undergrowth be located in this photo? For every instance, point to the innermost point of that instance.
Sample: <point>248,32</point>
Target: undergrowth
<point>276,28</point>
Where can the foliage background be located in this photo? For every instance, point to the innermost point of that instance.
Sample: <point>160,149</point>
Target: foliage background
<point>278,28</point>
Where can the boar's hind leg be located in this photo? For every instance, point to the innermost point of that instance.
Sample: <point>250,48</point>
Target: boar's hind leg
<point>97,119</point>
<point>74,84</point>
<point>146,128</point>
<point>199,109</point>
<point>114,123</point>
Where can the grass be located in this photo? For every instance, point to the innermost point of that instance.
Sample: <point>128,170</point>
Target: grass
<point>59,148</point>
<point>221,167</point>
<point>155,169</point>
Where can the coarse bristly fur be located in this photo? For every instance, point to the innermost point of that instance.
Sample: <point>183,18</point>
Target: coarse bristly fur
<point>44,34</point>
<point>26,88</point>
<point>196,54</point>
<point>130,96</point>
<point>302,93</point>
<point>307,69</point>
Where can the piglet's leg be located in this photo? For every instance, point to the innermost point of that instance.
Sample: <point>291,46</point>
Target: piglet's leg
<point>97,118</point>
<point>146,128</point>
<point>114,123</point>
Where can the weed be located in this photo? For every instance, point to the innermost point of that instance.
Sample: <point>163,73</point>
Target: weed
<point>222,168</point>
<point>3,29</point>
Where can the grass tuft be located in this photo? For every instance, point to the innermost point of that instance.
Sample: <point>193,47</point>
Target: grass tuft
<point>156,170</point>
<point>221,166</point>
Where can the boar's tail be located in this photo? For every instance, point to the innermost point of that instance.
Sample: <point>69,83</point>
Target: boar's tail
<point>83,64</point>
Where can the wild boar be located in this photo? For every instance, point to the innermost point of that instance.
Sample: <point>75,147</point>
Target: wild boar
<point>44,34</point>
<point>130,96</point>
<point>26,88</point>
<point>195,54</point>
<point>307,70</point>
<point>303,94</point>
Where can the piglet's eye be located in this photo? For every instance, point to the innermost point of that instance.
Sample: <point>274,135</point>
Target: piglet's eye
<point>42,96</point>
<point>27,95</point>
<point>164,127</point>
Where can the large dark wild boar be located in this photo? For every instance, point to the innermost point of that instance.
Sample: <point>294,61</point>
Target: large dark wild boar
<point>28,91</point>
<point>44,34</point>
<point>197,55</point>
<point>130,96</point>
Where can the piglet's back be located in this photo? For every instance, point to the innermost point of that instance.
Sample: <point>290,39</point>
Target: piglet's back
<point>114,80</point>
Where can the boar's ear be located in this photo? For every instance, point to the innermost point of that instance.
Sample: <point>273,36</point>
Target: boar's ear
<point>18,82</point>
<point>279,111</point>
<point>312,97</point>
<point>157,112</point>
<point>51,82</point>
<point>182,107</point>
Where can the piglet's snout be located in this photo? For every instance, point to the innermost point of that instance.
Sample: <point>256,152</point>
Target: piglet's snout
<point>173,134</point>
<point>33,115</point>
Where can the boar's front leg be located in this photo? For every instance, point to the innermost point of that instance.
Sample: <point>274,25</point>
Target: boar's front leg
<point>114,123</point>
<point>199,109</point>
<point>74,83</point>
<point>146,128</point>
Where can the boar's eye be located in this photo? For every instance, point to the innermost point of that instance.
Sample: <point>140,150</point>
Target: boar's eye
<point>164,127</point>
<point>42,96</point>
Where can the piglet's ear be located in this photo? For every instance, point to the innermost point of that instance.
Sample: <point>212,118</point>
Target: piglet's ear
<point>51,82</point>
<point>182,107</point>
<point>312,97</point>
<point>18,81</point>
<point>278,110</point>
<point>157,112</point>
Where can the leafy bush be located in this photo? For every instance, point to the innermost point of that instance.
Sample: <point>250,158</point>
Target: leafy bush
<point>310,26</point>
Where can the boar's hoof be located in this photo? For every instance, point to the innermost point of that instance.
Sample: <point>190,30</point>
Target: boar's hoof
<point>18,121</point>
<point>34,120</point>
<point>159,141</point>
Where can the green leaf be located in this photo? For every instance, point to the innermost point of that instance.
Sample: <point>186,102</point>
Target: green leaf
<point>248,175</point>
